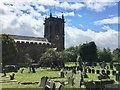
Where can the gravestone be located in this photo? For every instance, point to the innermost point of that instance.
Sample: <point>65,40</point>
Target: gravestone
<point>89,70</point>
<point>70,81</point>
<point>4,72</point>
<point>12,76</point>
<point>103,65</point>
<point>47,87</point>
<point>111,66</point>
<point>85,70</point>
<point>69,75</point>
<point>93,71</point>
<point>74,70</point>
<point>85,75</point>
<point>43,81</point>
<point>97,71</point>
<point>52,85</point>
<point>98,65</point>
<point>78,80</point>
<point>103,71</point>
<point>108,72</point>
<point>103,76</point>
<point>22,70</point>
<point>117,77</point>
<point>113,72</point>
<point>62,74</point>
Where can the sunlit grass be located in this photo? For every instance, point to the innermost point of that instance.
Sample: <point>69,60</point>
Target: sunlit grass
<point>27,76</point>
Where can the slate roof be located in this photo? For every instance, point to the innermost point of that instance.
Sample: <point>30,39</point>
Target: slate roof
<point>29,39</point>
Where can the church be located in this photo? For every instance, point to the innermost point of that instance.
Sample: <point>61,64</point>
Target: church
<point>36,46</point>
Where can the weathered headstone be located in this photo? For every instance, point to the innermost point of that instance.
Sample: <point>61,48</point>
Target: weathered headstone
<point>22,70</point>
<point>69,75</point>
<point>78,80</point>
<point>117,77</point>
<point>62,74</point>
<point>43,81</point>
<point>103,71</point>
<point>70,81</point>
<point>113,72</point>
<point>97,71</point>
<point>89,70</point>
<point>74,70</point>
<point>108,72</point>
<point>85,75</point>
<point>98,65</point>
<point>12,76</point>
<point>85,70</point>
<point>93,71</point>
<point>58,86</point>
<point>111,66</point>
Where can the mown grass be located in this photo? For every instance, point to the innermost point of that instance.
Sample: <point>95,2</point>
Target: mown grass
<point>27,76</point>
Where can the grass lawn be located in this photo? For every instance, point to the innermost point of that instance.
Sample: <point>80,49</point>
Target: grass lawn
<point>35,77</point>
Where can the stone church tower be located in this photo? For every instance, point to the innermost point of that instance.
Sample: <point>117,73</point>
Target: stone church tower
<point>54,31</point>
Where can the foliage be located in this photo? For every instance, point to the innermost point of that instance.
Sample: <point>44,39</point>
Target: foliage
<point>72,53</point>
<point>116,54</point>
<point>88,52</point>
<point>105,55</point>
<point>50,58</point>
<point>9,50</point>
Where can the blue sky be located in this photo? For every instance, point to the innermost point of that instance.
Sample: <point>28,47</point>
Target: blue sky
<point>86,20</point>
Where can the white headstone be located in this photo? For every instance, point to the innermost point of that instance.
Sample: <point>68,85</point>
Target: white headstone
<point>77,80</point>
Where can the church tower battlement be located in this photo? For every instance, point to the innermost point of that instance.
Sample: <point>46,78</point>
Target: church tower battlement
<point>54,31</point>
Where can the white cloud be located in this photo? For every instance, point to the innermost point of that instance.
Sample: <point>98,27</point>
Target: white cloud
<point>98,5</point>
<point>65,14</point>
<point>112,20</point>
<point>67,5</point>
<point>22,25</point>
<point>106,28</point>
<point>79,15</point>
<point>26,24</point>
<point>75,36</point>
<point>81,25</point>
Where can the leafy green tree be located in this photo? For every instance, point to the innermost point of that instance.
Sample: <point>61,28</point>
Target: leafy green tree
<point>88,52</point>
<point>50,58</point>
<point>116,55</point>
<point>72,53</point>
<point>105,55</point>
<point>9,50</point>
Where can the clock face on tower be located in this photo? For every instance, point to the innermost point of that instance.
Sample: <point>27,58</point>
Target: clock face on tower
<point>57,37</point>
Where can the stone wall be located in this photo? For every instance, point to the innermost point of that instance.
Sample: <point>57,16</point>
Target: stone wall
<point>35,50</point>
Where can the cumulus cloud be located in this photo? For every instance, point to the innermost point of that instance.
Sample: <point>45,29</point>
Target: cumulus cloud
<point>25,18</point>
<point>22,25</point>
<point>112,20</point>
<point>67,5</point>
<point>98,5</point>
<point>75,36</point>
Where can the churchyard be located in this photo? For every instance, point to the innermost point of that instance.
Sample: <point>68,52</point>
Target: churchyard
<point>64,78</point>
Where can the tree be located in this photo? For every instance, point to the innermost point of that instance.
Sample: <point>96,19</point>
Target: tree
<point>105,55</point>
<point>116,55</point>
<point>50,58</point>
<point>72,53</point>
<point>88,52</point>
<point>9,50</point>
